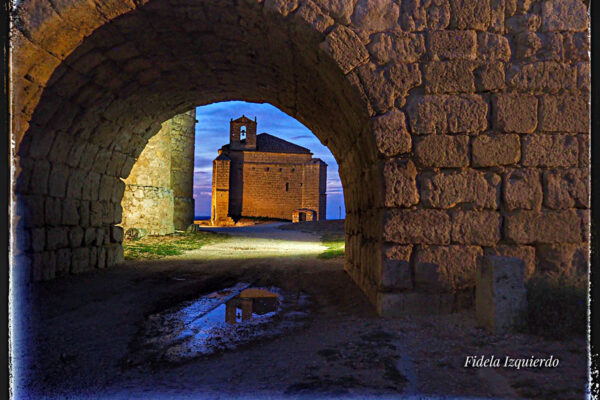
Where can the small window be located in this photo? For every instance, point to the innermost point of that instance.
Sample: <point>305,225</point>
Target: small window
<point>293,169</point>
<point>287,187</point>
<point>300,185</point>
<point>266,169</point>
<point>280,169</point>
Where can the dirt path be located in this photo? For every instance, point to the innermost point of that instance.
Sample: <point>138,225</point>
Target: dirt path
<point>259,241</point>
<point>77,335</point>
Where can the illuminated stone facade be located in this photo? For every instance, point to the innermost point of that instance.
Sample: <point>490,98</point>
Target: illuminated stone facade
<point>265,176</point>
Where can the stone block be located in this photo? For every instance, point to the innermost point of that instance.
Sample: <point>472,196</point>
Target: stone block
<point>417,226</point>
<point>447,114</point>
<point>495,149</point>
<point>557,257</point>
<point>376,15</point>
<point>466,14</point>
<point>497,18</point>
<point>531,227</point>
<point>101,263</point>
<point>313,15</point>
<point>91,186</point>
<point>80,259</point>
<point>377,88</point>
<point>446,268</point>
<point>53,209</point>
<point>404,77</point>
<point>76,235</point>
<point>576,46</point>
<point>523,23</point>
<point>492,47</point>
<point>438,15</point>
<point>515,112</point>
<point>393,305</point>
<point>396,46</point>
<point>75,183</point>
<point>443,151</point>
<point>116,234</point>
<point>448,189</point>
<point>547,76</point>
<point>449,77</point>
<point>476,227</point>
<point>100,232</point>
<point>550,150</point>
<point>500,293</point>
<point>584,76</point>
<point>531,46</point>
<point>38,183</point>
<point>566,188</point>
<point>63,261</point>
<point>564,15</point>
<point>70,212</point>
<point>57,238</point>
<point>391,134</point>
<point>525,253</point>
<point>84,213</point>
<point>452,45</point>
<point>565,113</point>
<point>345,47</point>
<point>107,183</point>
<point>57,182</point>
<point>400,185</point>
<point>96,213</point>
<point>490,77</point>
<point>522,189</point>
<point>413,15</point>
<point>90,236</point>
<point>395,268</point>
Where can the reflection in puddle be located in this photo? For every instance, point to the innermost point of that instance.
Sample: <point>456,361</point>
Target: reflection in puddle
<point>220,321</point>
<point>250,303</point>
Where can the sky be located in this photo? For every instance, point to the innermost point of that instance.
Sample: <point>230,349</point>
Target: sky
<point>212,132</point>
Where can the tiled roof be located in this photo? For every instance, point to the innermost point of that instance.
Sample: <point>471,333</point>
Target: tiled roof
<point>272,144</point>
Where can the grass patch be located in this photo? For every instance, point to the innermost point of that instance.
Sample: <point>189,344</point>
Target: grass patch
<point>336,246</point>
<point>556,306</point>
<point>155,247</point>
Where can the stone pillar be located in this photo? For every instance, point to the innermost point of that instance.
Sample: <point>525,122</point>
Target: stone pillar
<point>148,199</point>
<point>500,294</point>
<point>182,168</point>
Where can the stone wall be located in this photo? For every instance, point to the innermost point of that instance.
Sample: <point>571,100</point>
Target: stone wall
<point>461,127</point>
<point>182,168</point>
<point>159,190</point>
<point>269,185</point>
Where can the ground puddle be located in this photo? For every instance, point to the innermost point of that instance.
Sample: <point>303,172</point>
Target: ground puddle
<point>219,321</point>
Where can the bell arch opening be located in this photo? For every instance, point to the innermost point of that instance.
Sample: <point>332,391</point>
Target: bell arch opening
<point>106,99</point>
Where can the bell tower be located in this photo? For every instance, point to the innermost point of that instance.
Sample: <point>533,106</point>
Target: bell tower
<point>242,133</point>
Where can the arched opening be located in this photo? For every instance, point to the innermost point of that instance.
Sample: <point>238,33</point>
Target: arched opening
<point>91,123</point>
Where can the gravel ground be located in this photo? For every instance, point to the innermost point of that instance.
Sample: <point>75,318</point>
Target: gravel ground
<point>74,335</point>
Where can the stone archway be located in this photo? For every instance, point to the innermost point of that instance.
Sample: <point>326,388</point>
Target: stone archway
<point>460,127</point>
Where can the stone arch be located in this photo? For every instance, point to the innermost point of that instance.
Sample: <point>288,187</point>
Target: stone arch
<point>108,96</point>
<point>461,127</point>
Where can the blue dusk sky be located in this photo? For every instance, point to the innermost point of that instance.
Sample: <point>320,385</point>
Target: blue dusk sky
<point>212,132</point>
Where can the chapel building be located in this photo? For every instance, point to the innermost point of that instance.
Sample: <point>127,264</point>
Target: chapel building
<point>263,176</point>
